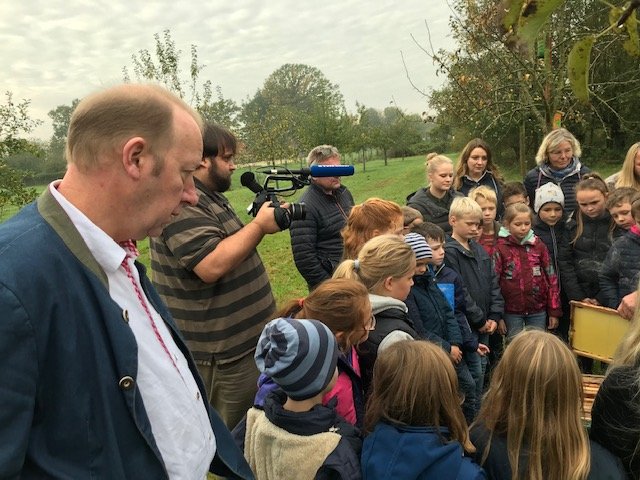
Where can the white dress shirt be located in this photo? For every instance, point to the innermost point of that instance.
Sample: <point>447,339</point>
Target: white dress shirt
<point>176,411</point>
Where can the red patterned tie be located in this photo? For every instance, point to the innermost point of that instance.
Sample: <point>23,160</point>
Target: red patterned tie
<point>132,252</point>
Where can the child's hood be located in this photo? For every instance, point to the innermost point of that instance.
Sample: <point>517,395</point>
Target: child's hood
<point>380,303</point>
<point>529,237</point>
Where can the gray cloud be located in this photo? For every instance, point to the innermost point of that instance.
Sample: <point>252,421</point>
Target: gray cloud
<point>54,51</point>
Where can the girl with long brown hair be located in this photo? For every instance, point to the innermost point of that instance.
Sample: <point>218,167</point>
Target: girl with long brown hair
<point>414,419</point>
<point>476,168</point>
<point>529,426</point>
<point>593,235</point>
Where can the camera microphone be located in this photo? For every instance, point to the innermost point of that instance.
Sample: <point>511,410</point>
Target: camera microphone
<point>315,171</point>
<point>332,170</point>
<point>248,179</point>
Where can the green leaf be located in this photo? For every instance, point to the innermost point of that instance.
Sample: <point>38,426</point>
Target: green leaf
<point>632,44</point>
<point>578,66</point>
<point>534,15</point>
<point>614,15</point>
<point>512,9</point>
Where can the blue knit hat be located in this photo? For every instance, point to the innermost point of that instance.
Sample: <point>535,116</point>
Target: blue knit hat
<point>299,355</point>
<point>419,245</point>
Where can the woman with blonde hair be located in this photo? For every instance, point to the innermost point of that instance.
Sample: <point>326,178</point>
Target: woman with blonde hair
<point>369,219</point>
<point>558,161</point>
<point>414,419</point>
<point>385,265</point>
<point>529,426</point>
<point>434,201</point>
<point>615,416</point>
<point>629,174</point>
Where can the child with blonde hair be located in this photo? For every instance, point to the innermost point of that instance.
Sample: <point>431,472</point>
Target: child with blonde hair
<point>369,219</point>
<point>435,200</point>
<point>385,265</point>
<point>488,201</point>
<point>529,426</point>
<point>414,420</point>
<point>343,306</point>
<point>526,274</point>
<point>464,255</point>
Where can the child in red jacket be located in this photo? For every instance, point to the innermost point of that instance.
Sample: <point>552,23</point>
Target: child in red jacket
<point>528,281</point>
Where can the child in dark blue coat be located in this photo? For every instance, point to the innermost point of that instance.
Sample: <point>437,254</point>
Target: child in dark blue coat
<point>554,229</point>
<point>451,284</point>
<point>415,423</point>
<point>434,320</point>
<point>294,435</point>
<point>621,269</point>
<point>485,305</point>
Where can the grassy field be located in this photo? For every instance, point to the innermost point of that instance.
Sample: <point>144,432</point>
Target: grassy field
<point>393,182</point>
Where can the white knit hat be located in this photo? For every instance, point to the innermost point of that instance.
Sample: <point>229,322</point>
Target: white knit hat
<point>549,192</point>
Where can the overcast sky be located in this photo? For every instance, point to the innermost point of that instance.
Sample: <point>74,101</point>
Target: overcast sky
<point>53,51</point>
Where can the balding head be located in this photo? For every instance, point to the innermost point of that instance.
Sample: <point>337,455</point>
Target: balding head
<point>103,122</point>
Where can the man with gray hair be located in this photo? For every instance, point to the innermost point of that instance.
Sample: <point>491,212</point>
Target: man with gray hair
<point>316,241</point>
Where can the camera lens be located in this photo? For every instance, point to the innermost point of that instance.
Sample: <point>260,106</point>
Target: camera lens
<point>297,211</point>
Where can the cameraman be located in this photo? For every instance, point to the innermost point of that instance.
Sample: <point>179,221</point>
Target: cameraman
<point>315,241</point>
<point>207,270</point>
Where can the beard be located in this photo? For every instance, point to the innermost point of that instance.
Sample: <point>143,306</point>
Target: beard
<point>218,182</point>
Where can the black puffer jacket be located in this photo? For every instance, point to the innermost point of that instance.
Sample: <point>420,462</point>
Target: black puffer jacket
<point>391,316</point>
<point>435,210</point>
<point>621,269</point>
<point>315,241</point>
<point>589,251</point>
<point>558,241</point>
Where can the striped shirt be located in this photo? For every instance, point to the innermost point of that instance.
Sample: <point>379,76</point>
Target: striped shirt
<point>221,321</point>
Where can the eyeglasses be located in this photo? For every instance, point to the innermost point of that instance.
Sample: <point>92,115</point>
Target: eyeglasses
<point>372,323</point>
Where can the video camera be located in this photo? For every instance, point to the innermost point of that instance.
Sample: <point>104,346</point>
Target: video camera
<point>293,181</point>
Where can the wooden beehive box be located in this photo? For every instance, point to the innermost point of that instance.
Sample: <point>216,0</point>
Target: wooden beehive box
<point>595,333</point>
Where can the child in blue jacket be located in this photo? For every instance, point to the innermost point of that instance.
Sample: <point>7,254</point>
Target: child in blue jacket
<point>434,319</point>
<point>415,423</point>
<point>452,286</point>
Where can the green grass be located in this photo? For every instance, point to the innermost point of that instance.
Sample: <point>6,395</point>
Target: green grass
<point>393,182</point>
